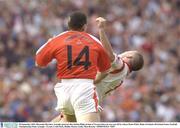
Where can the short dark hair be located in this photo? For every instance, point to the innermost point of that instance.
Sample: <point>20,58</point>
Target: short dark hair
<point>77,20</point>
<point>137,62</point>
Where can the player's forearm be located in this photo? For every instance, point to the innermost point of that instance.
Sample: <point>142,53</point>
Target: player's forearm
<point>106,44</point>
<point>100,76</point>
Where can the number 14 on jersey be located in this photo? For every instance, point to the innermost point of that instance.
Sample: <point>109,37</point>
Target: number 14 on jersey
<point>78,60</point>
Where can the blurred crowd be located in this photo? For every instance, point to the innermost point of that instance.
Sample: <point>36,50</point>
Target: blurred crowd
<point>149,26</point>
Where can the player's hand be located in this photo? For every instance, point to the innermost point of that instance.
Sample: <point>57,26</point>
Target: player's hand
<point>101,22</point>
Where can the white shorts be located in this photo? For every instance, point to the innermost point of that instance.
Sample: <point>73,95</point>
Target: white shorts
<point>76,96</point>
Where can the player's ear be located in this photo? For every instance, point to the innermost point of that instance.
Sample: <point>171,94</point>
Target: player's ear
<point>84,28</point>
<point>68,22</point>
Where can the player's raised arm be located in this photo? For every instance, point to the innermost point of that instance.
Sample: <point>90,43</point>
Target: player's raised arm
<point>107,46</point>
<point>103,38</point>
<point>116,62</point>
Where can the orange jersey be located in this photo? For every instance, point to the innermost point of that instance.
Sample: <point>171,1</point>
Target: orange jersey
<point>78,55</point>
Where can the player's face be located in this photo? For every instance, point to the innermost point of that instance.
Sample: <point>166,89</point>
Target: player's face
<point>128,56</point>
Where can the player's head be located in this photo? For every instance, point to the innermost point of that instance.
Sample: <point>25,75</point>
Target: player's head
<point>77,21</point>
<point>134,59</point>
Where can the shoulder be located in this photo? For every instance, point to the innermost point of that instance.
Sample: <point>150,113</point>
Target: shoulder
<point>51,42</point>
<point>61,35</point>
<point>95,39</point>
<point>58,38</point>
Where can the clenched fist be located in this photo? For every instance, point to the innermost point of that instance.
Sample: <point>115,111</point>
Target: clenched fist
<point>101,22</point>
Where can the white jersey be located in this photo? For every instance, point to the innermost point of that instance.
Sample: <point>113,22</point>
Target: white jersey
<point>119,71</point>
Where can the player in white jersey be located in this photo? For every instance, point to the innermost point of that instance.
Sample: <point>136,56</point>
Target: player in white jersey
<point>116,76</point>
<point>121,66</point>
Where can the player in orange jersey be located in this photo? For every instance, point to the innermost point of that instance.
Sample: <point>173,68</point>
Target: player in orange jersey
<point>79,56</point>
<point>121,66</point>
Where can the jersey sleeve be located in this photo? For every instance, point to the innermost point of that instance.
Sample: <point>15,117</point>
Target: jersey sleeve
<point>103,60</point>
<point>45,54</point>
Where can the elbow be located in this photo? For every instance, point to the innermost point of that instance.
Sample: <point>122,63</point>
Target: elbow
<point>39,64</point>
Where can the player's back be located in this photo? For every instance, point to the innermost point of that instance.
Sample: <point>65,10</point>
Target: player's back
<point>78,55</point>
